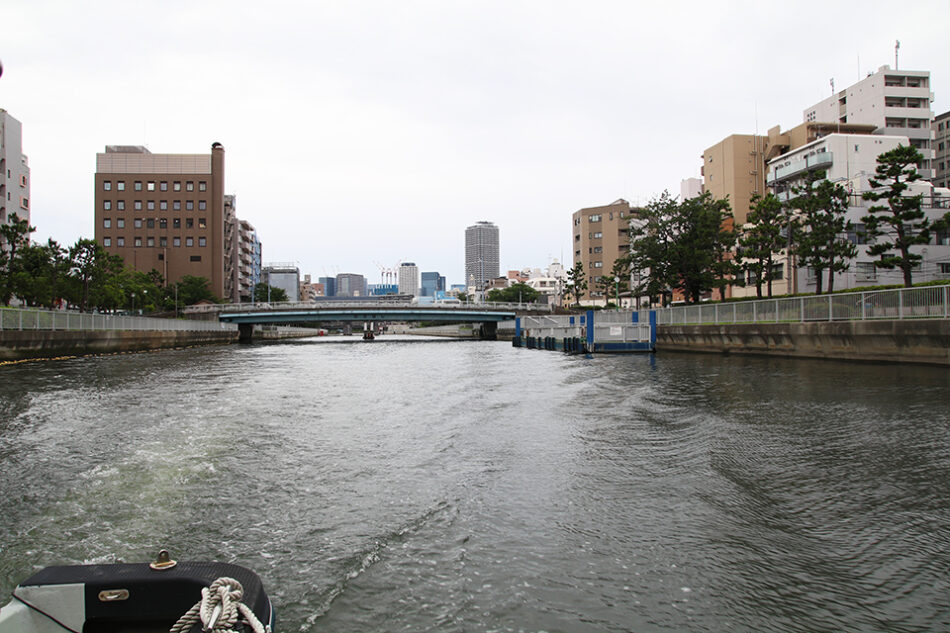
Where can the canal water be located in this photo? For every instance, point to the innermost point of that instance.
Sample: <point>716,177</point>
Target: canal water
<point>469,486</point>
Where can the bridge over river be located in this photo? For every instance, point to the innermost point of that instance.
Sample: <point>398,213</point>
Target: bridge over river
<point>246,315</point>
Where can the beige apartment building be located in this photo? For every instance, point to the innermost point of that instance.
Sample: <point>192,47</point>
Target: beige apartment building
<point>734,168</point>
<point>166,212</point>
<point>601,235</point>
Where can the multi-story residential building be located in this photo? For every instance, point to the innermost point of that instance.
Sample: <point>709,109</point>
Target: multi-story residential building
<point>942,150</point>
<point>408,279</point>
<point>166,212</point>
<point>285,276</point>
<point>248,266</point>
<point>896,102</point>
<point>734,169</point>
<point>601,236</point>
<point>309,291</point>
<point>482,255</point>
<point>850,160</point>
<point>690,188</point>
<point>14,171</point>
<point>432,284</point>
<point>350,285</point>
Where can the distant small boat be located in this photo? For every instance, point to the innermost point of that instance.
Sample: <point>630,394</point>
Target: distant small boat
<point>164,595</point>
<point>368,335</point>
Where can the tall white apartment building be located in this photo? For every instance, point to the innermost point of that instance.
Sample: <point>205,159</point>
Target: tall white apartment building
<point>850,160</point>
<point>409,279</point>
<point>896,102</point>
<point>14,171</point>
<point>942,153</point>
<point>482,260</point>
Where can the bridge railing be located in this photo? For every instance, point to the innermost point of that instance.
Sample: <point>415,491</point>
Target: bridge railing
<point>34,319</point>
<point>378,303</point>
<point>928,302</point>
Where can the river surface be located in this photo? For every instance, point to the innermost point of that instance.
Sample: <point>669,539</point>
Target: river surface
<point>470,486</point>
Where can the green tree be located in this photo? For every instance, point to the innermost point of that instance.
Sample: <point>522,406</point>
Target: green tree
<point>515,293</point>
<point>682,245</point>
<point>14,235</point>
<point>263,292</point>
<point>41,274</point>
<point>193,289</point>
<point>822,243</point>
<point>762,240</point>
<point>893,228</point>
<point>92,270</point>
<point>576,282</point>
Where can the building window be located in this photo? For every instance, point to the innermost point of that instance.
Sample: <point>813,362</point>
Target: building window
<point>150,205</point>
<point>866,271</point>
<point>189,223</point>
<point>202,241</point>
<point>944,268</point>
<point>138,205</point>
<point>151,185</point>
<point>150,223</point>
<point>202,223</point>
<point>107,223</point>
<point>598,235</point>
<point>120,241</point>
<point>163,242</point>
<point>107,204</point>
<point>176,205</point>
<point>177,186</point>
<point>163,186</point>
<point>137,223</point>
<point>202,205</point>
<point>189,186</point>
<point>120,223</point>
<point>163,223</point>
<point>138,185</point>
<point>176,241</point>
<point>163,205</point>
<point>107,185</point>
<point>595,218</point>
<point>598,249</point>
<point>176,223</point>
<point>189,241</point>
<point>202,186</point>
<point>120,185</point>
<point>150,242</point>
<point>107,241</point>
<point>138,241</point>
<point>195,258</point>
<point>120,205</point>
<point>190,205</point>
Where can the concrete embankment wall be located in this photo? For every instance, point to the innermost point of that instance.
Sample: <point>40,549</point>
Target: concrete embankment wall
<point>22,344</point>
<point>924,341</point>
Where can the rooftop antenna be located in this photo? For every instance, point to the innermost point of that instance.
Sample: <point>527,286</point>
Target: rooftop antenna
<point>897,47</point>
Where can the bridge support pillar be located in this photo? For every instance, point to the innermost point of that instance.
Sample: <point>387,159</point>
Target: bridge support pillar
<point>245,332</point>
<point>488,331</point>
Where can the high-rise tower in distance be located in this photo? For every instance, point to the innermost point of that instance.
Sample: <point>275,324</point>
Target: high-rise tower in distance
<point>481,254</point>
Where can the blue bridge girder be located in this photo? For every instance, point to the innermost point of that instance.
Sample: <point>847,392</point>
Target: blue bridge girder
<point>365,314</point>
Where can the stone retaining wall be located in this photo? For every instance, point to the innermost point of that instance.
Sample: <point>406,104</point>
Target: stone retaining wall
<point>22,344</point>
<point>923,341</point>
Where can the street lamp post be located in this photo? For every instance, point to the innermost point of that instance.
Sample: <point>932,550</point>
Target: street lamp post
<point>617,281</point>
<point>133,303</point>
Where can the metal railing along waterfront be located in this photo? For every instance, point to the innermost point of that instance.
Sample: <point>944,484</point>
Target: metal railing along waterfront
<point>33,319</point>
<point>378,303</point>
<point>928,302</point>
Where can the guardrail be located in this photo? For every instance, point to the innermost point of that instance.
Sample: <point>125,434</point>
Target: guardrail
<point>929,302</point>
<point>609,327</point>
<point>33,319</point>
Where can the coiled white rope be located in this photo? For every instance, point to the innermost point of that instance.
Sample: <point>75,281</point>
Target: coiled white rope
<point>219,609</point>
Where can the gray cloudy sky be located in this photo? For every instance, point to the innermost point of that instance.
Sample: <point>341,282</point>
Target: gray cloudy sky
<point>376,131</point>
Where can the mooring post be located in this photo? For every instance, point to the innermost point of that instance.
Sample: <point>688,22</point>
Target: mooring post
<point>590,330</point>
<point>653,330</point>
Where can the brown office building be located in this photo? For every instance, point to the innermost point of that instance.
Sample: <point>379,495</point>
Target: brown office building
<point>601,235</point>
<point>166,212</point>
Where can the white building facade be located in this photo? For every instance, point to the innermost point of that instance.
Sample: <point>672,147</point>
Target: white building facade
<point>408,279</point>
<point>850,160</point>
<point>897,102</point>
<point>14,171</point>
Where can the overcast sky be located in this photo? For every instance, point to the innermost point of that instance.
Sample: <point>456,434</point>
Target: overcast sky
<point>360,134</point>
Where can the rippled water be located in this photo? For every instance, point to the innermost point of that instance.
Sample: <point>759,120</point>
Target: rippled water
<point>468,486</point>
